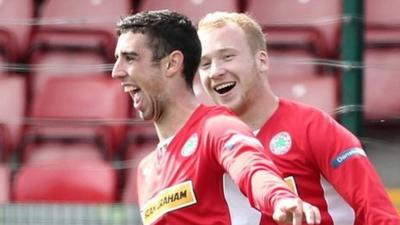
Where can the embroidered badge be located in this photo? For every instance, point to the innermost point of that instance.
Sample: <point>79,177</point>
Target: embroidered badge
<point>280,144</point>
<point>190,146</point>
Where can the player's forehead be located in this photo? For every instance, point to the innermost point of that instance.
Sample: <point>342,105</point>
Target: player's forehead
<point>132,42</point>
<point>217,40</point>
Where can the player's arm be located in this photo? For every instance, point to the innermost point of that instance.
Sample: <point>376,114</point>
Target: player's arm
<point>241,155</point>
<point>345,165</point>
<point>288,209</point>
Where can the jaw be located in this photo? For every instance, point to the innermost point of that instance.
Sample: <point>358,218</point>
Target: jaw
<point>229,98</point>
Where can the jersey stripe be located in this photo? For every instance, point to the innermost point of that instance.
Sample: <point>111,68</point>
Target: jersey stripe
<point>240,209</point>
<point>340,211</point>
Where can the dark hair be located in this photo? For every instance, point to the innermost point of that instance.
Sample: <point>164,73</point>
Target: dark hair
<point>167,31</point>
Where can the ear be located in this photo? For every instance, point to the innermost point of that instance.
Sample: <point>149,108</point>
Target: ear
<point>262,60</point>
<point>174,63</point>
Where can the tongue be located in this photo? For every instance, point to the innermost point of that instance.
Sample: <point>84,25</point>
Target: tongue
<point>138,101</point>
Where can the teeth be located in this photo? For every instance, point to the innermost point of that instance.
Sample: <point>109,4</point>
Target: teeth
<point>219,87</point>
<point>128,88</point>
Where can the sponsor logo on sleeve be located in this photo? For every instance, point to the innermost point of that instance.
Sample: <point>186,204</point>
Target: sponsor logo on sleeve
<point>241,138</point>
<point>280,143</point>
<point>169,199</point>
<point>190,146</point>
<point>347,154</point>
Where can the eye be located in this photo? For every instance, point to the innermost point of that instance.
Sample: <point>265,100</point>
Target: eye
<point>227,57</point>
<point>205,65</point>
<point>130,58</point>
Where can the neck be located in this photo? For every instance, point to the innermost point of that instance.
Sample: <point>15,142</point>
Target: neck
<point>175,116</point>
<point>260,110</point>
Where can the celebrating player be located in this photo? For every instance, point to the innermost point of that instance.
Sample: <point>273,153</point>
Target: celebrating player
<point>322,161</point>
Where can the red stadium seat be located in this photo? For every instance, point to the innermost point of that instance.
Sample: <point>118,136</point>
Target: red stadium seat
<point>382,22</point>
<point>69,23</point>
<point>136,135</point>
<point>16,18</point>
<point>194,9</point>
<point>80,109</point>
<point>70,36</point>
<point>8,47</point>
<point>68,180</point>
<point>45,64</point>
<point>3,65</point>
<point>129,194</point>
<point>292,63</point>
<point>314,23</point>
<point>63,143</point>
<point>5,145</point>
<point>55,151</point>
<point>4,184</point>
<point>381,83</point>
<point>318,91</point>
<point>379,14</point>
<point>84,14</point>
<point>74,41</point>
<point>12,110</point>
<point>140,142</point>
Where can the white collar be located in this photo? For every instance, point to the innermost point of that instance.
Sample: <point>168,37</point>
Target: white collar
<point>164,144</point>
<point>255,132</point>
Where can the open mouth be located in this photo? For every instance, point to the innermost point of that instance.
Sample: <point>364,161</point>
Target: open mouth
<point>136,94</point>
<point>130,88</point>
<point>225,87</point>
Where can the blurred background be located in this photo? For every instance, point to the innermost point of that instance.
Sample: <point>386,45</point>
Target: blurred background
<point>70,141</point>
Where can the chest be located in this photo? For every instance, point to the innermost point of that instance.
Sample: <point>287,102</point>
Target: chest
<point>290,152</point>
<point>178,163</point>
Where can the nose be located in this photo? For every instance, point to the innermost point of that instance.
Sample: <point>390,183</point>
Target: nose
<point>117,71</point>
<point>216,70</point>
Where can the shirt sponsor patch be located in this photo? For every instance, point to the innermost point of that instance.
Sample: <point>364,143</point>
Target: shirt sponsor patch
<point>169,199</point>
<point>280,144</point>
<point>241,138</point>
<point>346,155</point>
<point>190,146</point>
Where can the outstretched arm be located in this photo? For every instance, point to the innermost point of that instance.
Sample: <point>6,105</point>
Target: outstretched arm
<point>286,209</point>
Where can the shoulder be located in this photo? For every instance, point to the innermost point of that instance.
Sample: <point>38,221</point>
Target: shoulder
<point>146,161</point>
<point>223,122</point>
<point>305,121</point>
<point>316,123</point>
<point>303,113</point>
<point>219,124</point>
<point>216,118</point>
<point>300,108</point>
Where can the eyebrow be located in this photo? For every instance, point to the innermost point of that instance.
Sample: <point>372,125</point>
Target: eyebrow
<point>221,51</point>
<point>128,53</point>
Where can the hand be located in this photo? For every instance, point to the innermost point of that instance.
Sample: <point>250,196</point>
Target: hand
<point>291,211</point>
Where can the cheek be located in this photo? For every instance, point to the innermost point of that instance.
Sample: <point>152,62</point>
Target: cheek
<point>202,74</point>
<point>204,81</point>
<point>132,70</point>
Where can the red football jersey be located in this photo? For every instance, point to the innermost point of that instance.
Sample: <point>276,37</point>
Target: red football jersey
<point>326,166</point>
<point>182,181</point>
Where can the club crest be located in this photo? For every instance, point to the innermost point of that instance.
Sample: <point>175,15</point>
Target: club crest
<point>280,144</point>
<point>190,146</point>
